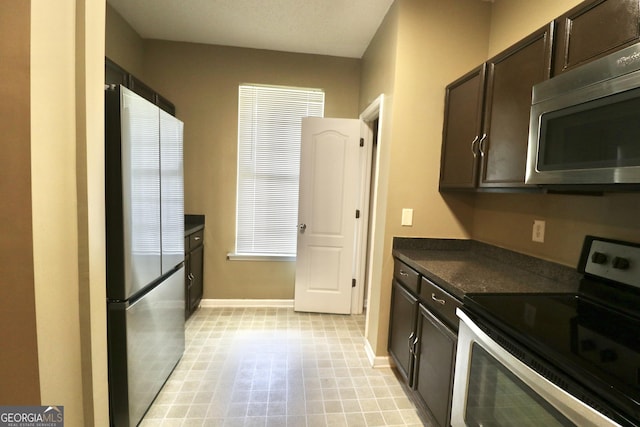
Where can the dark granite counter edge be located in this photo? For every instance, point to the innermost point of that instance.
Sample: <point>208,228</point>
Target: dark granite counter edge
<point>421,243</point>
<point>190,229</point>
<point>453,290</point>
<point>547,269</point>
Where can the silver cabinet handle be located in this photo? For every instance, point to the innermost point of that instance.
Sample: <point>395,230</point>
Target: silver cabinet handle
<point>410,342</point>
<point>302,227</point>
<point>481,144</point>
<point>438,300</point>
<point>473,146</point>
<point>403,273</point>
<point>196,238</point>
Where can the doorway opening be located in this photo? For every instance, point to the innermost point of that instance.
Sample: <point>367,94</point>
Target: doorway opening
<point>369,225</point>
<point>371,119</point>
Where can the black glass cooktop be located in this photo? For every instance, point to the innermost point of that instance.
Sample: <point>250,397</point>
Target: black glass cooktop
<point>592,343</point>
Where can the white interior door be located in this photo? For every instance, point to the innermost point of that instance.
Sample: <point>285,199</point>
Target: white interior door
<point>329,178</point>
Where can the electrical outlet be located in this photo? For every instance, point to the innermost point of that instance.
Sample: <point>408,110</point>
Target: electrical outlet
<point>538,231</point>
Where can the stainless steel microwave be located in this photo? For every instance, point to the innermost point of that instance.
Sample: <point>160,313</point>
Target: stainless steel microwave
<point>585,124</point>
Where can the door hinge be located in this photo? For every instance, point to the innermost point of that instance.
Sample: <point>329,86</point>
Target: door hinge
<point>353,283</point>
<point>357,213</point>
<point>361,142</point>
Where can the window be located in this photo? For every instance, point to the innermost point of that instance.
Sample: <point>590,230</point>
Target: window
<point>269,127</point>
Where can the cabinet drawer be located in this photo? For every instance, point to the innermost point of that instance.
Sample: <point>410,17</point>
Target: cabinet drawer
<point>407,276</point>
<point>196,239</point>
<point>440,302</point>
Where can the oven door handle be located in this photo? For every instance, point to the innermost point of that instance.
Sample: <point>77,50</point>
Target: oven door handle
<point>469,335</point>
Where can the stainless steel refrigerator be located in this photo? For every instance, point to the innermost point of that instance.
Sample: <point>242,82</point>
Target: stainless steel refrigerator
<point>144,189</point>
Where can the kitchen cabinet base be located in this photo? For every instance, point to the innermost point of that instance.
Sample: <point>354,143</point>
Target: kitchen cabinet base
<point>422,411</point>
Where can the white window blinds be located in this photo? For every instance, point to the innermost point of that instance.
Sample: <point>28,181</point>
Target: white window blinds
<point>269,124</point>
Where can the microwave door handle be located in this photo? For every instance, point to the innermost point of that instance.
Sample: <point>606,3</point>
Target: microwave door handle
<point>473,146</point>
<point>482,145</point>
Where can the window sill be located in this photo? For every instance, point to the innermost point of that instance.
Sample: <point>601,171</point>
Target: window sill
<point>259,257</point>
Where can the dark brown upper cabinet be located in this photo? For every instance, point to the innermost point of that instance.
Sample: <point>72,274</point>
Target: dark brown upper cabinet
<point>165,104</point>
<point>115,74</point>
<point>510,78</point>
<point>593,29</point>
<point>486,129</point>
<point>142,89</point>
<point>462,131</point>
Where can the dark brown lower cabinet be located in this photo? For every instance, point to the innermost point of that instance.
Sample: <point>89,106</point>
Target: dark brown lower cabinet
<point>435,359</point>
<point>193,271</point>
<point>402,329</point>
<point>195,285</point>
<point>422,341</point>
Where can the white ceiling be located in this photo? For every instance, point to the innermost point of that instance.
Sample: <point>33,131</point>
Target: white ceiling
<point>325,27</point>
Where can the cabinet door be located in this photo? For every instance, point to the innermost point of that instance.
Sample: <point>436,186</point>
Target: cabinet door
<point>114,74</point>
<point>433,377</point>
<point>187,285</point>
<point>195,293</point>
<point>593,29</point>
<point>402,329</point>
<point>462,131</point>
<point>510,78</point>
<point>165,104</point>
<point>142,89</point>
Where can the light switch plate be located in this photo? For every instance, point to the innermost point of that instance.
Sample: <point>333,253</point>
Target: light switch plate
<point>407,217</point>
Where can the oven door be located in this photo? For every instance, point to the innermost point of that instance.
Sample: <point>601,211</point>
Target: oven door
<point>493,388</point>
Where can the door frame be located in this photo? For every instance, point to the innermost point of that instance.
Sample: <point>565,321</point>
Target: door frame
<point>368,188</point>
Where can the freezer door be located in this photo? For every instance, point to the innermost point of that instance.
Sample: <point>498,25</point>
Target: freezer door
<point>171,191</point>
<point>146,341</point>
<point>140,192</point>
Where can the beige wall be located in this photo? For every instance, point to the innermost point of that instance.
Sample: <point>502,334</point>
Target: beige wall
<point>202,81</point>
<point>512,20</point>
<point>67,145</point>
<point>19,354</point>
<point>122,44</point>
<point>506,219</point>
<point>379,61</point>
<point>421,46</point>
<point>428,55</point>
<point>89,61</point>
<point>378,78</point>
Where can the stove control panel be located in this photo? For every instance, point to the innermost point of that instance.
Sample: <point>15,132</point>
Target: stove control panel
<point>612,260</point>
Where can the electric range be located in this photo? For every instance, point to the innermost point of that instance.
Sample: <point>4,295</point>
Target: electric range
<point>586,343</point>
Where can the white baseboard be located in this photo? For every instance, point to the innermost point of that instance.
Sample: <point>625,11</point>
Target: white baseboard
<point>287,303</point>
<point>376,361</point>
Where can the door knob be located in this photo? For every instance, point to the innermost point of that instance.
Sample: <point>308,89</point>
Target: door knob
<point>302,227</point>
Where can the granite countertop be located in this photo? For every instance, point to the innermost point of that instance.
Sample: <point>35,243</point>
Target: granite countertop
<point>467,266</point>
<point>193,223</point>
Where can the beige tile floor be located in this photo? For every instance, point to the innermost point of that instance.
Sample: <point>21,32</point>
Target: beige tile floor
<point>275,367</point>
